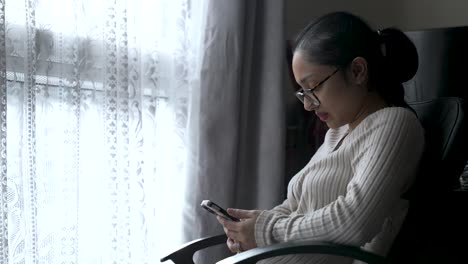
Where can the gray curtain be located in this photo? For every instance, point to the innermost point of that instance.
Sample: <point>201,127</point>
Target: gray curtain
<point>238,139</point>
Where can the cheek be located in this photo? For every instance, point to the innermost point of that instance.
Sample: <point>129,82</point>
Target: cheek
<point>343,105</point>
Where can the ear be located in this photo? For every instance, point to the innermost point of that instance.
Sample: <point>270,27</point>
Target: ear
<point>359,71</point>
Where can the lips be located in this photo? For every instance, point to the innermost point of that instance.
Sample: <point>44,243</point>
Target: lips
<point>322,116</point>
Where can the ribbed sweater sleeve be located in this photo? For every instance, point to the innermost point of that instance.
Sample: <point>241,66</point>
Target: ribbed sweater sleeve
<point>383,153</point>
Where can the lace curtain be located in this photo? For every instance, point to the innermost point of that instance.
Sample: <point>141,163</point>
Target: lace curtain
<point>94,109</point>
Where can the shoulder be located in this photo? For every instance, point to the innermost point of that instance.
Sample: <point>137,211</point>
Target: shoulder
<point>389,127</point>
<point>389,132</point>
<point>391,119</point>
<point>398,114</point>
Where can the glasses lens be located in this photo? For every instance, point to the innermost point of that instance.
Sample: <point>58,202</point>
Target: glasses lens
<point>302,97</point>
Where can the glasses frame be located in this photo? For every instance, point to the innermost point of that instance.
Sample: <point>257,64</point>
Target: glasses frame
<point>301,93</point>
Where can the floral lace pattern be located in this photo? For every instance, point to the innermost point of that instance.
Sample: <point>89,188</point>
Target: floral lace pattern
<point>94,109</point>
<point>3,163</point>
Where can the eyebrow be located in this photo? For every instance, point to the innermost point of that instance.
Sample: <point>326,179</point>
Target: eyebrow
<point>301,81</point>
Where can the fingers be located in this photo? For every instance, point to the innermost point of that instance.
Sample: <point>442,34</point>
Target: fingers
<point>232,245</point>
<point>231,225</point>
<point>239,213</point>
<point>231,234</point>
<point>241,234</point>
<point>243,214</point>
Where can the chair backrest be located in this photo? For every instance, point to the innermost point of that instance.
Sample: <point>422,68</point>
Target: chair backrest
<point>444,158</point>
<point>445,155</point>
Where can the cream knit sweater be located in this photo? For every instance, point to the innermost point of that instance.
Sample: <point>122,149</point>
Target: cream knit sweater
<point>351,195</point>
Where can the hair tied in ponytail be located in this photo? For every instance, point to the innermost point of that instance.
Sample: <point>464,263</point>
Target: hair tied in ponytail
<point>381,42</point>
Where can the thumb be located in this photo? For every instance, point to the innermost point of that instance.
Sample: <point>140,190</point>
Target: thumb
<point>239,213</point>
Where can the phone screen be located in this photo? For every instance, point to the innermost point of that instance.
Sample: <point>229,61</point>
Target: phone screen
<point>217,210</point>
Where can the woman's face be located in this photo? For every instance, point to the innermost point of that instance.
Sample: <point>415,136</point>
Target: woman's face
<point>341,97</point>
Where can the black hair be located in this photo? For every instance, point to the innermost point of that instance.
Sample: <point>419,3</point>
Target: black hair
<point>337,38</point>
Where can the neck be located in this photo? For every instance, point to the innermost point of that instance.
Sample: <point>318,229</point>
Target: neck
<point>372,103</point>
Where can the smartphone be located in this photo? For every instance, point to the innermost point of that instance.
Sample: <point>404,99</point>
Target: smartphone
<point>217,210</point>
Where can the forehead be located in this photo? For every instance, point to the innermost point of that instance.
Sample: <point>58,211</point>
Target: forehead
<point>304,69</point>
<point>299,60</point>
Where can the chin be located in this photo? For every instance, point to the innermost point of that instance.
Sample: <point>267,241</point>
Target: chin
<point>330,125</point>
<point>333,125</point>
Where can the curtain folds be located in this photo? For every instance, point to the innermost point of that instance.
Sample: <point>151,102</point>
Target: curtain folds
<point>117,118</point>
<point>241,144</point>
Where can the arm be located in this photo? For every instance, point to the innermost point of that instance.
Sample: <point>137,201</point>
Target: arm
<point>384,165</point>
<point>285,208</point>
<point>242,233</point>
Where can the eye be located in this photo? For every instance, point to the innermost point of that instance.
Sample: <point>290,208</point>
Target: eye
<point>311,85</point>
<point>307,92</point>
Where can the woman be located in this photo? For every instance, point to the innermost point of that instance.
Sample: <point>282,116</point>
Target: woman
<point>350,191</point>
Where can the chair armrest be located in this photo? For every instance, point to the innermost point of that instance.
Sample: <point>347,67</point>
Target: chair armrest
<point>184,255</point>
<point>256,254</point>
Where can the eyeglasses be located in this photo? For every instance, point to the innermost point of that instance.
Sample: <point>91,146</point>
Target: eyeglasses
<point>309,93</point>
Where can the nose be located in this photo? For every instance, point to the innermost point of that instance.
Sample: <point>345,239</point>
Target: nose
<point>309,104</point>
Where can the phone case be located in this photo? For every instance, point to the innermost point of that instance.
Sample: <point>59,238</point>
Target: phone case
<point>217,210</point>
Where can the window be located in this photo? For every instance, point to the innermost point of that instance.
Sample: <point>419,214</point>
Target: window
<point>97,115</point>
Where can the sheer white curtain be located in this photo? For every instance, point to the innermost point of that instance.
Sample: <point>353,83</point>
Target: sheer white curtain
<point>95,98</point>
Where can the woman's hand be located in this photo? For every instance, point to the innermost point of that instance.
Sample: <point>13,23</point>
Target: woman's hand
<point>233,246</point>
<point>241,234</point>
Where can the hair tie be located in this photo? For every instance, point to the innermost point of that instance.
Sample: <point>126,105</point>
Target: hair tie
<point>381,42</point>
